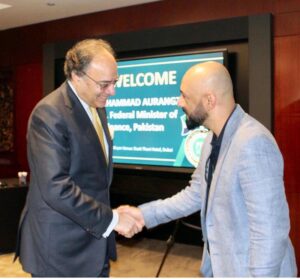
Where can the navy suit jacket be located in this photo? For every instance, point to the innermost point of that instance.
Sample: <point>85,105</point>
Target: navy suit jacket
<point>67,208</point>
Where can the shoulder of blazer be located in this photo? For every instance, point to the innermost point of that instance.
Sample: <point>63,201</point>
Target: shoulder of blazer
<point>63,99</point>
<point>68,94</point>
<point>63,95</point>
<point>233,125</point>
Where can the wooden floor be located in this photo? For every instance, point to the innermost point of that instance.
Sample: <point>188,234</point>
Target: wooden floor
<point>136,258</point>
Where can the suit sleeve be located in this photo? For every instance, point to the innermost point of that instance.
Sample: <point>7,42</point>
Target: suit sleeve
<point>180,205</point>
<point>261,178</point>
<point>49,156</point>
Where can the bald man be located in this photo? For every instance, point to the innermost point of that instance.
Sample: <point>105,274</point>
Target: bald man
<point>237,185</point>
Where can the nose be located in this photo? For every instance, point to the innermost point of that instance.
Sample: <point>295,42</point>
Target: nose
<point>111,90</point>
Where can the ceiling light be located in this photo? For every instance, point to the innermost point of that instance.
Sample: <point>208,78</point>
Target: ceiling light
<point>4,6</point>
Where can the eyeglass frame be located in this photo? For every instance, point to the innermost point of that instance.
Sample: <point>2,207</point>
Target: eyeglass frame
<point>103,84</point>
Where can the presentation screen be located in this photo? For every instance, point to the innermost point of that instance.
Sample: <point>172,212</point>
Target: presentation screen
<point>148,127</point>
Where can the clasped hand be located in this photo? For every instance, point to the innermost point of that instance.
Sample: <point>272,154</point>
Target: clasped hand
<point>131,220</point>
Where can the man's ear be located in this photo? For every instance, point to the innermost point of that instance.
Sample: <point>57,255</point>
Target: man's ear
<point>75,77</point>
<point>211,101</point>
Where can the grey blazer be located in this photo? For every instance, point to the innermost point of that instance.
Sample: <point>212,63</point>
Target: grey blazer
<point>67,208</point>
<point>247,222</point>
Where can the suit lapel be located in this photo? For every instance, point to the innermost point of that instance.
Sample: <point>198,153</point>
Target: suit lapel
<point>103,119</point>
<point>206,150</point>
<point>230,130</point>
<point>85,126</point>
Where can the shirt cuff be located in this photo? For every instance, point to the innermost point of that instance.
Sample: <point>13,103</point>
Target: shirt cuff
<point>112,224</point>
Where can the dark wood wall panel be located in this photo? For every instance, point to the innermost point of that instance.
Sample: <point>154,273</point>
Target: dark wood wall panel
<point>285,6</point>
<point>28,85</point>
<point>21,49</point>
<point>287,122</point>
<point>287,113</point>
<point>287,24</point>
<point>287,107</point>
<point>158,14</point>
<point>294,201</point>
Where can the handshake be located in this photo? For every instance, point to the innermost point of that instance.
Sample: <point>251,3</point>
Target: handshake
<point>131,220</point>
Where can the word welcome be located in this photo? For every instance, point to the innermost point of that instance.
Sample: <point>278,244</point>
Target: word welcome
<point>147,79</point>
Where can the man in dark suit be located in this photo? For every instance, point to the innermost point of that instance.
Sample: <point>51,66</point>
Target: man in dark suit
<point>67,223</point>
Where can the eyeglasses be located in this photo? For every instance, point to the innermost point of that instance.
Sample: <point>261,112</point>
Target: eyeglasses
<point>103,84</point>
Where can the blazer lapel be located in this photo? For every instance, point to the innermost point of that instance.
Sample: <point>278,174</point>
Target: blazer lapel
<point>103,119</point>
<point>230,129</point>
<point>83,121</point>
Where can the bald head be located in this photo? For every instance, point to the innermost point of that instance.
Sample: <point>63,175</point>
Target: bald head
<point>210,76</point>
<point>207,93</point>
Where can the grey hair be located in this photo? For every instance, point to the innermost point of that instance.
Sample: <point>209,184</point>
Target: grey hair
<point>81,54</point>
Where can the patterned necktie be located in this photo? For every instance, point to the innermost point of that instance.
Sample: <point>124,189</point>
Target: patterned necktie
<point>99,129</point>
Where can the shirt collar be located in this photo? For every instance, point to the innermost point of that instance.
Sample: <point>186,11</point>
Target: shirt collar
<point>84,104</point>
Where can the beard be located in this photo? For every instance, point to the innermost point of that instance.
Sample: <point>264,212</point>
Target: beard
<point>196,118</point>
